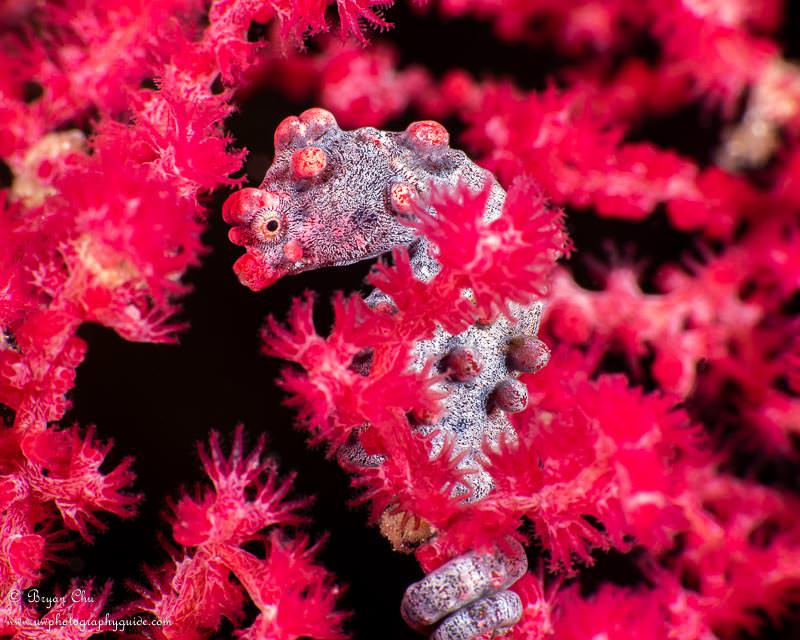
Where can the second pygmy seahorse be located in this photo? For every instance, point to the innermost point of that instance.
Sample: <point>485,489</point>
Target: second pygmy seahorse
<point>334,197</point>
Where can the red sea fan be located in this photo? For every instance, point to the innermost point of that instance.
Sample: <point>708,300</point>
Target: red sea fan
<point>307,17</point>
<point>727,314</point>
<point>227,514</point>
<point>335,398</point>
<point>506,260</point>
<point>596,462</point>
<point>114,139</point>
<point>575,154</point>
<point>735,57</point>
<point>102,228</point>
<point>64,467</point>
<point>365,86</point>
<point>613,612</point>
<point>336,401</point>
<point>537,617</point>
<point>39,365</point>
<point>51,481</point>
<point>577,26</point>
<point>215,576</point>
<point>296,597</point>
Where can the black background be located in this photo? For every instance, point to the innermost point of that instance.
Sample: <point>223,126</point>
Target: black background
<point>158,401</point>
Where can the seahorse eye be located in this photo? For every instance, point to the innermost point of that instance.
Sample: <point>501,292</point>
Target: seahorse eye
<point>268,225</point>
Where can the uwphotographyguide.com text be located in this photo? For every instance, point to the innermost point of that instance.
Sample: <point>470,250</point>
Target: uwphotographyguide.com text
<point>106,623</point>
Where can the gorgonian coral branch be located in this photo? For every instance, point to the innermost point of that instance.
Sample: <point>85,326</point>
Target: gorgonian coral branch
<point>102,228</point>
<point>214,576</point>
<point>51,481</point>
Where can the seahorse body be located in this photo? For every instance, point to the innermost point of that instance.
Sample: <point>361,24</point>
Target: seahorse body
<point>334,197</point>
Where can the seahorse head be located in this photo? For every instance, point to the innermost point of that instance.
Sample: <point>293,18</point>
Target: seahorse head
<point>333,197</point>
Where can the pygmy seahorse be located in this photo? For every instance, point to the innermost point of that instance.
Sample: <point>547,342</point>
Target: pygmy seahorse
<point>334,197</point>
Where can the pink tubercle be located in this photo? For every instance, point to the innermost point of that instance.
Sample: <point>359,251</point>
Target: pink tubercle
<point>428,133</point>
<point>240,206</point>
<point>401,196</point>
<point>293,251</point>
<point>309,162</point>
<point>253,273</point>
<point>286,131</point>
<point>235,236</point>
<point>317,120</point>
